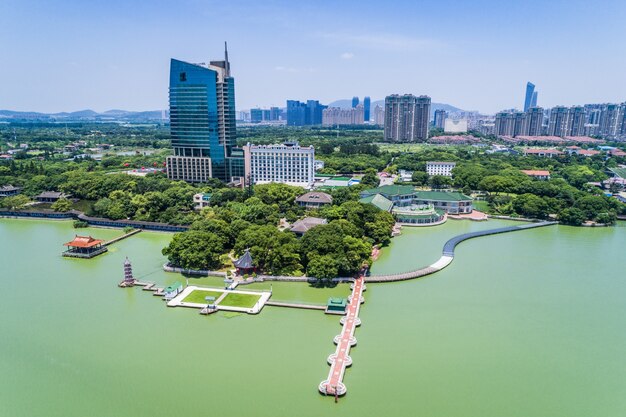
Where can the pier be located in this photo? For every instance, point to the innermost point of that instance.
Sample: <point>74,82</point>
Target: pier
<point>341,359</point>
<point>124,236</point>
<point>447,253</point>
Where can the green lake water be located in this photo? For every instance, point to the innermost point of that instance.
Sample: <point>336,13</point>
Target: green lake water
<point>531,323</point>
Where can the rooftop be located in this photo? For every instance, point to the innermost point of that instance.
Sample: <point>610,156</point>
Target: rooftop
<point>304,225</point>
<point>378,200</point>
<point>315,197</point>
<point>536,173</point>
<point>440,163</point>
<point>83,242</point>
<point>442,196</point>
<point>245,261</point>
<point>390,190</point>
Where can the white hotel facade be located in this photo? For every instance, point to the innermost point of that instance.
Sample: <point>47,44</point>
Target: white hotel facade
<point>287,163</point>
<point>440,168</point>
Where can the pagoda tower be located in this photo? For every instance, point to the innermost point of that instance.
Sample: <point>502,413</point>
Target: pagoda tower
<point>129,280</point>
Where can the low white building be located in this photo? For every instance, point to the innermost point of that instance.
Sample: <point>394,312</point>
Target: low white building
<point>440,168</point>
<point>455,126</point>
<point>287,163</point>
<point>201,200</point>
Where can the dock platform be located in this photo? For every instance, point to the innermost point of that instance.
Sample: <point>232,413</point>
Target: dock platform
<point>340,360</point>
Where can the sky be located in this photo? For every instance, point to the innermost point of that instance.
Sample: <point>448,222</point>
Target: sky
<point>476,55</point>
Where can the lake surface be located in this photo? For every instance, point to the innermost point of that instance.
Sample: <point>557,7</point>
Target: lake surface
<point>531,323</point>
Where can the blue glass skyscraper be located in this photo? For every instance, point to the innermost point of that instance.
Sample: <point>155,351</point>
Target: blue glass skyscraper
<point>530,92</point>
<point>366,109</point>
<point>355,101</point>
<point>202,122</point>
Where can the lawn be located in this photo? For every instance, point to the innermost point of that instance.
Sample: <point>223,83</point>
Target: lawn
<point>197,296</point>
<point>480,205</point>
<point>240,300</point>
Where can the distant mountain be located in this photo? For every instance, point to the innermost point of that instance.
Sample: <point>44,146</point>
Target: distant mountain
<point>346,104</point>
<point>115,115</point>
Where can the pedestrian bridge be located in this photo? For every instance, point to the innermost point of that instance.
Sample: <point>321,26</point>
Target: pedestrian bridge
<point>447,254</point>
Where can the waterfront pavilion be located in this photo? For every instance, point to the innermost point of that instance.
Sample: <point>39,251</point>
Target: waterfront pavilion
<point>244,264</point>
<point>84,247</point>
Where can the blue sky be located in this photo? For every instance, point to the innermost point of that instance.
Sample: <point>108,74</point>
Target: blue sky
<point>476,55</point>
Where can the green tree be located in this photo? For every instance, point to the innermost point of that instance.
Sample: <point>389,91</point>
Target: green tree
<point>62,204</point>
<point>440,181</point>
<point>323,267</point>
<point>572,216</point>
<point>195,250</point>
<point>370,179</point>
<point>419,178</point>
<point>15,202</point>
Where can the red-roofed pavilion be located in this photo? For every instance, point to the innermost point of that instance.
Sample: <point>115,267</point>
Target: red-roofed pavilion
<point>84,247</point>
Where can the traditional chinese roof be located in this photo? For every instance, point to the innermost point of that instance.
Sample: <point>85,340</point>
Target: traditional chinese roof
<point>83,242</point>
<point>304,225</point>
<point>52,194</point>
<point>9,188</point>
<point>390,190</point>
<point>245,262</point>
<point>315,197</point>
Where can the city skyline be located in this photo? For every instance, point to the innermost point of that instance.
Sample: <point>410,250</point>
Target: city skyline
<point>338,52</point>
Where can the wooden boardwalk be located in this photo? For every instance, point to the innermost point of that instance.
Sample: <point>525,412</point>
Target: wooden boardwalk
<point>124,236</point>
<point>340,360</point>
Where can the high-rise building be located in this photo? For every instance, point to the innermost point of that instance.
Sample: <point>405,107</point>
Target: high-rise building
<point>202,122</point>
<point>379,115</point>
<point>528,100</point>
<point>286,163</point>
<point>440,118</point>
<point>304,114</point>
<point>533,101</point>
<point>256,115</point>
<point>366,109</point>
<point>332,116</point>
<point>558,122</point>
<point>611,121</point>
<point>355,101</point>
<point>533,122</point>
<point>406,118</point>
<point>576,121</point>
<point>274,113</point>
<point>313,114</point>
<point>296,112</point>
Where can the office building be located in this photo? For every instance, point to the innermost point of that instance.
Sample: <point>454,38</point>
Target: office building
<point>530,96</point>
<point>304,114</point>
<point>406,118</point>
<point>202,122</point>
<point>440,118</point>
<point>287,163</point>
<point>367,103</point>
<point>355,101</point>
<point>336,116</point>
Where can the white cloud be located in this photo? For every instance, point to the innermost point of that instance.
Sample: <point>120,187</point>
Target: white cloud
<point>379,41</point>
<point>347,55</point>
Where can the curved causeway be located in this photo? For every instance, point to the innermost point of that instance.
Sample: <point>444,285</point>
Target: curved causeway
<point>447,254</point>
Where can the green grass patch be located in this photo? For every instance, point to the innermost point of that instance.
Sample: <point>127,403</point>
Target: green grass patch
<point>480,205</point>
<point>240,300</point>
<point>197,296</point>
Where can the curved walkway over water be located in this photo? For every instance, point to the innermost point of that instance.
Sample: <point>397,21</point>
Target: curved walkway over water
<point>448,252</point>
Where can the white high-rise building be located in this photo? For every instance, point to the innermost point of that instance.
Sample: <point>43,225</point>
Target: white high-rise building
<point>379,115</point>
<point>287,163</point>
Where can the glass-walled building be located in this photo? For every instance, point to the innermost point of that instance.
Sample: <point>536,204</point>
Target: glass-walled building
<point>202,122</point>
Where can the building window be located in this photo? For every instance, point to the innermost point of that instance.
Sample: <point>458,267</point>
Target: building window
<point>183,76</point>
